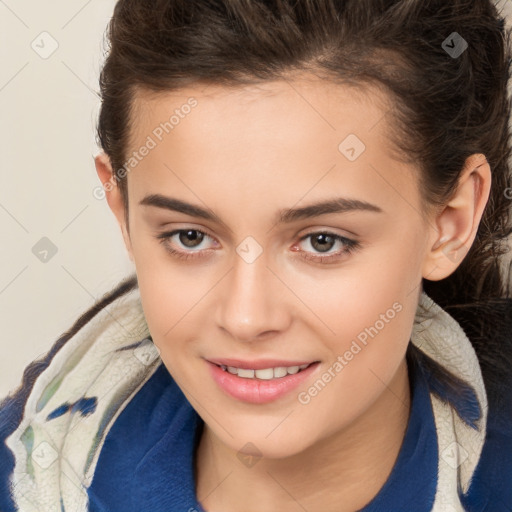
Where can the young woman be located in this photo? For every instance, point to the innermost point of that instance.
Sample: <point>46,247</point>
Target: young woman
<point>316,198</point>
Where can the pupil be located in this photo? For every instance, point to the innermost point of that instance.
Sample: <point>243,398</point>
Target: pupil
<point>188,238</point>
<point>326,240</point>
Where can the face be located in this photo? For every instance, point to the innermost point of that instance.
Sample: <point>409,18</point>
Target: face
<point>258,277</point>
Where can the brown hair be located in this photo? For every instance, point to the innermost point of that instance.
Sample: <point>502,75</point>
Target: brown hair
<point>446,107</point>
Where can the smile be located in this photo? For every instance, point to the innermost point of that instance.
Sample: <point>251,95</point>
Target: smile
<point>265,373</point>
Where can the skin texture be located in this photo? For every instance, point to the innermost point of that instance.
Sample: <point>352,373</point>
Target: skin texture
<point>246,154</point>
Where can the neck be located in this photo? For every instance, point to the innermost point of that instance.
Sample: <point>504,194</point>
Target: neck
<point>343,472</point>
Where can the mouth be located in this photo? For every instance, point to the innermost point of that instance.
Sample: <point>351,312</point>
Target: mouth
<point>261,385</point>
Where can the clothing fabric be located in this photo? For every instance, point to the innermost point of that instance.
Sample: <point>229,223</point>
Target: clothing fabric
<point>106,428</point>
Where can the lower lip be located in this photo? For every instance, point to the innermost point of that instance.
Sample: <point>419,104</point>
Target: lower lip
<point>258,391</point>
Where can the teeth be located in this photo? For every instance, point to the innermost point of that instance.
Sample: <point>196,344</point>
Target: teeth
<point>281,371</point>
<point>266,373</point>
<point>246,374</point>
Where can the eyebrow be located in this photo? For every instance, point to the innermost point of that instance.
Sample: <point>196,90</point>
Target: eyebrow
<point>336,205</point>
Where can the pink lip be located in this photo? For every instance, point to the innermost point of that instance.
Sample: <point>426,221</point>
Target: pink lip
<point>259,391</point>
<point>257,365</point>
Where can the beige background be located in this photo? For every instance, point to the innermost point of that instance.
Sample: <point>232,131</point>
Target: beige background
<point>49,107</point>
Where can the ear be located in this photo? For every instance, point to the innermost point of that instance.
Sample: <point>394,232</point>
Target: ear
<point>113,196</point>
<point>454,228</point>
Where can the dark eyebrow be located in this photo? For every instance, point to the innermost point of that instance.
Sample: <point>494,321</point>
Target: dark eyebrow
<point>337,205</point>
<point>173,204</point>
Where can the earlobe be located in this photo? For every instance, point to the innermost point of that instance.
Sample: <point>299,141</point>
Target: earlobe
<point>113,196</point>
<point>457,223</point>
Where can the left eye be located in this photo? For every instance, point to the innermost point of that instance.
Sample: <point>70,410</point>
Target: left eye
<point>189,238</point>
<point>321,242</point>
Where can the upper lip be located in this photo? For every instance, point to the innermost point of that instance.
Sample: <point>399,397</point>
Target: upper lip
<point>257,365</point>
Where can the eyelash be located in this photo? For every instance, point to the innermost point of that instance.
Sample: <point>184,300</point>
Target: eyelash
<point>350,246</point>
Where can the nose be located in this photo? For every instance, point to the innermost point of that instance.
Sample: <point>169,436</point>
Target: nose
<point>253,303</point>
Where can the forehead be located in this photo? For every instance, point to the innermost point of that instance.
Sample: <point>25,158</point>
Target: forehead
<point>263,109</point>
<point>268,137</point>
